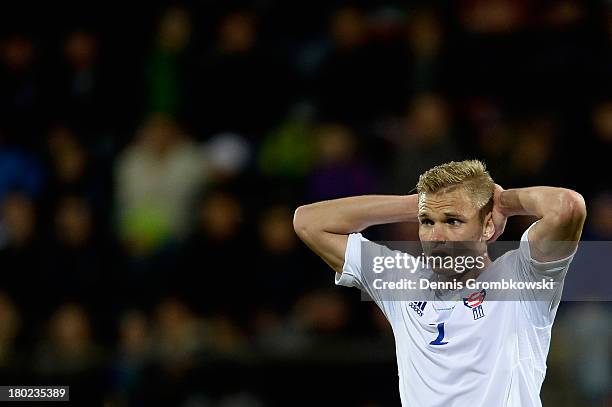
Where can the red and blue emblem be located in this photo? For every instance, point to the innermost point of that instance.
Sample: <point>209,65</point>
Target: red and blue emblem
<point>474,302</point>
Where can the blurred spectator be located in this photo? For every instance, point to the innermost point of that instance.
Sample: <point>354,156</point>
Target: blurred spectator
<point>490,44</point>
<point>589,355</point>
<point>595,143</point>
<point>157,178</point>
<point>21,99</point>
<point>322,312</point>
<point>348,85</point>
<point>166,66</point>
<point>179,337</point>
<point>80,50</point>
<point>485,119</point>
<point>73,223</point>
<point>531,157</point>
<point>425,138</point>
<point>181,340</point>
<point>228,155</point>
<point>316,317</point>
<point>287,151</point>
<point>134,338</point>
<point>68,158</point>
<point>79,93</point>
<point>234,79</point>
<point>19,171</point>
<point>599,221</point>
<point>77,266</point>
<point>78,167</point>
<point>339,171</point>
<point>425,40</point>
<point>10,324</point>
<point>18,221</point>
<point>133,355</point>
<point>602,122</point>
<point>495,16</point>
<point>20,255</point>
<point>285,271</point>
<point>209,257</point>
<point>69,347</point>
<point>563,13</point>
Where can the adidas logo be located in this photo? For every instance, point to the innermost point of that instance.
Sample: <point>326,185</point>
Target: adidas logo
<point>418,306</point>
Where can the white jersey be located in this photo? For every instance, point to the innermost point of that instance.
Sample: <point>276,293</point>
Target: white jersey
<point>457,356</point>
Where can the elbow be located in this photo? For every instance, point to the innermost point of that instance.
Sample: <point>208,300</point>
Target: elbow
<point>300,222</point>
<point>571,208</point>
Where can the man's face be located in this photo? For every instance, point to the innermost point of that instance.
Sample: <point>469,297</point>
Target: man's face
<point>450,224</point>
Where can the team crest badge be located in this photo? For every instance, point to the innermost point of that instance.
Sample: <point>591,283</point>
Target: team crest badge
<point>474,302</point>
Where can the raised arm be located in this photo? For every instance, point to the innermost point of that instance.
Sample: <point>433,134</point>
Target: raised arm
<point>561,214</point>
<point>324,226</point>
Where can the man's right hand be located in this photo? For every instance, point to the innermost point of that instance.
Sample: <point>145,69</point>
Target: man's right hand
<point>499,219</point>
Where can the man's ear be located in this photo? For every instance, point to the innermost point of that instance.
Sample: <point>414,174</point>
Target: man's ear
<point>488,226</point>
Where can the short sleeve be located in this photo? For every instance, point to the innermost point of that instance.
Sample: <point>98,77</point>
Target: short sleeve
<point>541,306</point>
<point>352,274</point>
<point>536,269</point>
<point>351,271</point>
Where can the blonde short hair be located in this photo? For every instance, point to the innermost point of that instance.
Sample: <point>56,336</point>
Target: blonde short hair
<point>470,174</point>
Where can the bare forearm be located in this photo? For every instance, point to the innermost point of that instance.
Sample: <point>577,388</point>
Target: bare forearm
<point>353,214</point>
<point>324,226</point>
<point>561,211</point>
<point>537,201</point>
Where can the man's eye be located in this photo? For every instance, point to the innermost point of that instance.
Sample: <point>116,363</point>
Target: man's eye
<point>426,222</point>
<point>453,221</point>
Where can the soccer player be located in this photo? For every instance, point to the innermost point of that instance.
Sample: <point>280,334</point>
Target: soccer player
<point>454,356</point>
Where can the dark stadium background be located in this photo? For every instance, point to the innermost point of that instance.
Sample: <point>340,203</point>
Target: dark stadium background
<point>151,157</point>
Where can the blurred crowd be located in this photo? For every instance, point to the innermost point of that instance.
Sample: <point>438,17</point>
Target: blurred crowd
<point>151,159</point>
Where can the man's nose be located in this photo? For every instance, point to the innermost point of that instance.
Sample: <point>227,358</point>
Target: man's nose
<point>437,235</point>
